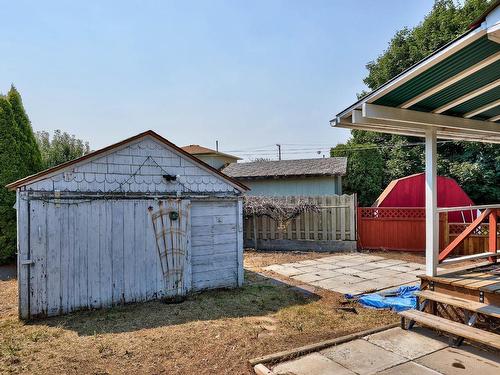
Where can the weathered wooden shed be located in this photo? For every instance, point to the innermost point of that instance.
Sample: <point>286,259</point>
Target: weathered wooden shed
<point>138,220</point>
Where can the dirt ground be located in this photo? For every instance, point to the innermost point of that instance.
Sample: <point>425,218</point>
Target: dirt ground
<point>214,332</point>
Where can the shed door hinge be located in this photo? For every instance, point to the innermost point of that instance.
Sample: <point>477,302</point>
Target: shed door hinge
<point>27,262</point>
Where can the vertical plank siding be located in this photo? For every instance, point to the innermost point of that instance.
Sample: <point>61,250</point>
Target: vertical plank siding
<point>335,221</point>
<point>103,252</point>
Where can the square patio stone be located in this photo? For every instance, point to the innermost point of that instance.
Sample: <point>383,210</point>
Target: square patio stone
<point>408,344</point>
<point>363,357</point>
<point>328,266</point>
<point>289,271</point>
<point>401,268</point>
<point>367,275</point>
<point>309,262</point>
<point>348,270</point>
<point>409,368</point>
<point>308,269</point>
<point>312,364</point>
<point>385,272</point>
<point>466,360</point>
<point>274,267</point>
<point>308,277</point>
<point>348,263</point>
<point>365,267</point>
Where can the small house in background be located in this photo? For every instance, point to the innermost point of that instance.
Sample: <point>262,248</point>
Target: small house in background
<point>302,177</point>
<point>409,191</point>
<point>214,158</point>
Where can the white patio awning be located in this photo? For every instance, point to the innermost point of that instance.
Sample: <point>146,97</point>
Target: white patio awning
<point>454,91</point>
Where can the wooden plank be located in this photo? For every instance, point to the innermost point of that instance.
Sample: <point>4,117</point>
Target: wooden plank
<point>298,223</point>
<point>324,219</point>
<point>94,298</point>
<point>314,217</point>
<point>66,265</point>
<point>335,202</point>
<point>53,259</point>
<point>38,247</point>
<point>352,217</point>
<point>23,271</point>
<point>462,303</point>
<point>296,352</point>
<point>307,224</point>
<point>492,279</point>
<point>342,218</point>
<point>105,253</point>
<point>82,218</point>
<point>239,241</point>
<point>491,288</point>
<point>129,255</point>
<point>458,329</point>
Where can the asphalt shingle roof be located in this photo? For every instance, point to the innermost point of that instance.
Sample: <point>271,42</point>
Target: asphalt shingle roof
<point>287,168</point>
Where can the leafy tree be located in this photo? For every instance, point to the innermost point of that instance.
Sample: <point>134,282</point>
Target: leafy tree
<point>365,170</point>
<point>61,148</point>
<point>475,166</point>
<point>28,151</point>
<point>10,165</point>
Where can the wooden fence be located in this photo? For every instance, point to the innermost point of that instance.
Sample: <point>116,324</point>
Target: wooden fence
<point>325,230</point>
<point>388,228</point>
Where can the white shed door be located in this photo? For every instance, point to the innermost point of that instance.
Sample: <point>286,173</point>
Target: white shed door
<point>99,253</point>
<point>171,224</point>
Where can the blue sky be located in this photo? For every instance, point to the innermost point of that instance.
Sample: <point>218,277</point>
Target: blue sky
<point>247,73</point>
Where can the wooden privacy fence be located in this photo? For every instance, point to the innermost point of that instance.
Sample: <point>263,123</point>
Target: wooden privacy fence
<point>322,230</point>
<point>389,228</point>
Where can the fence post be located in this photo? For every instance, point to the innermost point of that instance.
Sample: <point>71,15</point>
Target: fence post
<point>493,241</point>
<point>352,213</point>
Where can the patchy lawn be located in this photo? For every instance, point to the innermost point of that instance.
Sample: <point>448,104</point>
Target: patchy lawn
<point>211,332</point>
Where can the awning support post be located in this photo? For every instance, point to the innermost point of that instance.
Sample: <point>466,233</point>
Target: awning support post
<point>431,215</point>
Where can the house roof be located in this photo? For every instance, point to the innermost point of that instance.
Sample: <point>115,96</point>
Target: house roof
<point>200,150</point>
<point>455,91</point>
<point>40,175</point>
<point>288,168</point>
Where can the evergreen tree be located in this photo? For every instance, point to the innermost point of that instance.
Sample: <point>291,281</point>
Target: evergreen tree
<point>10,166</point>
<point>29,152</point>
<point>365,170</point>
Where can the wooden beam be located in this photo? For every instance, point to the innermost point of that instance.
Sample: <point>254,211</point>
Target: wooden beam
<point>395,127</point>
<point>482,109</point>
<point>468,96</point>
<point>493,119</point>
<point>461,237</point>
<point>450,81</point>
<point>411,118</point>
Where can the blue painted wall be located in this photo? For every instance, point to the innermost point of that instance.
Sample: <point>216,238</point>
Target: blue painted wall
<point>307,186</point>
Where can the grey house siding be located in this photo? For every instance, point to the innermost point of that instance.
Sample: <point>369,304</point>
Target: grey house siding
<point>306,186</point>
<point>216,161</point>
<point>101,251</point>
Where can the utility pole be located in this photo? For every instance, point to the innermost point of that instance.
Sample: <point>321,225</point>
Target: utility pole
<point>217,146</point>
<point>279,151</point>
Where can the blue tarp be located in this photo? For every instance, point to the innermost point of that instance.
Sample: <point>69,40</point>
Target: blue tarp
<point>400,299</point>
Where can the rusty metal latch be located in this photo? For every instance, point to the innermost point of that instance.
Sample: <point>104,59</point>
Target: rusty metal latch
<point>27,262</point>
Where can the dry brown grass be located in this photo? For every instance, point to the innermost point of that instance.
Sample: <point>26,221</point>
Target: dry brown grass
<point>211,332</point>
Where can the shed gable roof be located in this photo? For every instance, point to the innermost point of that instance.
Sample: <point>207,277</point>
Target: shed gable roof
<point>288,168</point>
<point>86,159</point>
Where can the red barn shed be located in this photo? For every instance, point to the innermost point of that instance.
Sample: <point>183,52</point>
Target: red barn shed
<point>410,192</point>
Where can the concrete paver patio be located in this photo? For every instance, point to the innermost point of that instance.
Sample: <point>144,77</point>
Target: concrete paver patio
<point>352,273</point>
<point>394,351</point>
